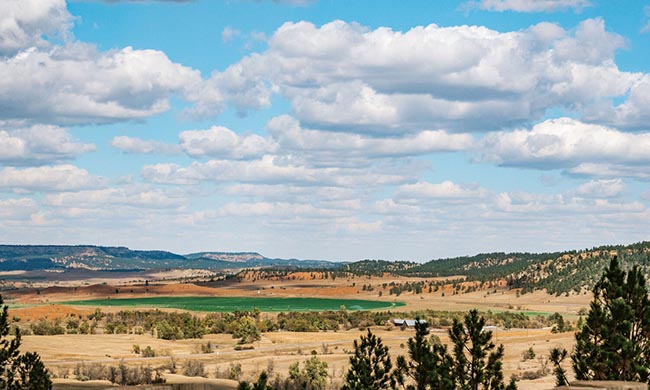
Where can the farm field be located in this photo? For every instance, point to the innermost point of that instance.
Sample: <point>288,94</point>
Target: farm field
<point>227,304</point>
<point>297,285</point>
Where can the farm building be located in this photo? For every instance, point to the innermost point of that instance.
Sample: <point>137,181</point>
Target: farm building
<point>402,323</point>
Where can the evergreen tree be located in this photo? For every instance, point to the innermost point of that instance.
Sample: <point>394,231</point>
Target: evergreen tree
<point>614,342</point>
<point>557,356</point>
<point>370,367</point>
<point>429,365</point>
<point>472,345</point>
<point>24,372</point>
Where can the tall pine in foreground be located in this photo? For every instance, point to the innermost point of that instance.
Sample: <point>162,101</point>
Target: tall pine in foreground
<point>477,361</point>
<point>614,343</point>
<point>370,366</point>
<point>429,366</point>
<point>19,372</point>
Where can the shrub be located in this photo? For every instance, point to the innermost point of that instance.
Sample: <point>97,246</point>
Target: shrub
<point>234,371</point>
<point>148,352</point>
<point>528,354</point>
<point>194,368</point>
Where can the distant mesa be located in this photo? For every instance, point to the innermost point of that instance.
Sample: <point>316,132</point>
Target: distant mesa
<point>233,257</point>
<point>91,257</point>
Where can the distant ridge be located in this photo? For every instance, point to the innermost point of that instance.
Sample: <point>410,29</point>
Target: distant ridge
<point>568,272</point>
<point>92,257</point>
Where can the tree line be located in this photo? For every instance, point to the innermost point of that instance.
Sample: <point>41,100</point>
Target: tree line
<point>249,325</point>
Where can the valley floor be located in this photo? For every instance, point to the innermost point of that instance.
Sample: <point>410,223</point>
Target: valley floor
<point>277,350</point>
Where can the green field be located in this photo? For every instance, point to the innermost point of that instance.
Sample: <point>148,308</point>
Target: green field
<point>227,304</point>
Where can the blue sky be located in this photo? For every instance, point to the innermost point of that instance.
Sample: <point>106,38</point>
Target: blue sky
<point>325,129</point>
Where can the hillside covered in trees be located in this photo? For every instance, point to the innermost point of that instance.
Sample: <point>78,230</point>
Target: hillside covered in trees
<point>558,273</point>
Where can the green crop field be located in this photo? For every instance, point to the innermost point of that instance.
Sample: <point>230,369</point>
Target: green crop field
<point>226,304</point>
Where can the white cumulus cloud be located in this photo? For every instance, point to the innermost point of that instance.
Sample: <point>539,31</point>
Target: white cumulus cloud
<point>39,144</point>
<point>444,190</point>
<point>76,84</point>
<point>19,208</point>
<point>566,143</point>
<point>270,170</point>
<point>221,142</point>
<point>615,170</point>
<point>50,78</point>
<point>136,145</point>
<point>122,196</point>
<point>48,178</point>
<point>631,113</point>
<point>26,23</point>
<point>228,34</point>
<point>529,5</point>
<point>345,77</point>
<point>603,188</point>
<point>337,145</point>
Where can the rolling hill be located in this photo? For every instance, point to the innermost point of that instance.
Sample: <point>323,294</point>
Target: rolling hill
<point>558,273</point>
<point>40,257</point>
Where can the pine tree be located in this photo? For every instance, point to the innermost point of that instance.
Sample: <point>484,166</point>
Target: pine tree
<point>24,372</point>
<point>430,363</point>
<point>472,345</point>
<point>557,356</point>
<point>370,366</point>
<point>614,342</point>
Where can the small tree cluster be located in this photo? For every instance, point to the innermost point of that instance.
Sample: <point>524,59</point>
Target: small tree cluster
<point>312,376</point>
<point>474,363</point>
<point>121,375</point>
<point>261,383</point>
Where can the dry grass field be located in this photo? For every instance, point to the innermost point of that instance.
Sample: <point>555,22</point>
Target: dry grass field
<point>277,350</point>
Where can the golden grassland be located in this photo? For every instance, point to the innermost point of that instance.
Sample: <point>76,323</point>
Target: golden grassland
<point>280,349</point>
